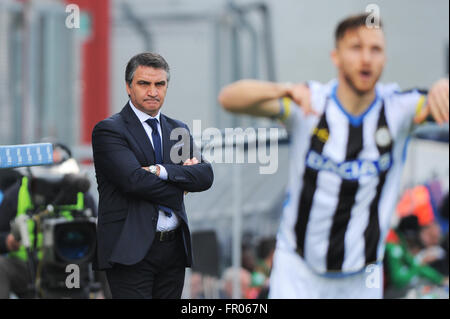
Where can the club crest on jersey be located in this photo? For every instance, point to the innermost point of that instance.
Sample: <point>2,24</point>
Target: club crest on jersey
<point>349,170</point>
<point>322,134</point>
<point>383,137</point>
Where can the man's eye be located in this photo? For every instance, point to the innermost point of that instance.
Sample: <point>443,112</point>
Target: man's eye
<point>376,50</point>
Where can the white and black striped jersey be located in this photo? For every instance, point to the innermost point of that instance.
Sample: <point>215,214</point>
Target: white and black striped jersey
<point>344,179</point>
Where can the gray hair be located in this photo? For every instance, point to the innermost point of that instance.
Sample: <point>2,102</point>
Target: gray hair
<point>150,59</point>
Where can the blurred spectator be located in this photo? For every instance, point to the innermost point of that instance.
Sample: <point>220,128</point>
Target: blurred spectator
<point>403,267</point>
<point>440,264</point>
<point>444,207</point>
<point>228,279</point>
<point>421,201</point>
<point>248,259</point>
<point>436,192</point>
<point>430,239</point>
<point>261,274</point>
<point>430,235</point>
<point>416,201</point>
<point>8,177</point>
<point>196,281</point>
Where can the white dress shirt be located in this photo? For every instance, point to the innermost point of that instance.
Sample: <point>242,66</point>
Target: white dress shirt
<point>165,223</point>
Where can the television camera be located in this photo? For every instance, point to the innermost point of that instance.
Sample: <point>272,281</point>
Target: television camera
<point>64,229</point>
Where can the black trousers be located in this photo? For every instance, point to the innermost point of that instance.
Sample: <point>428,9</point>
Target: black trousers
<point>14,277</point>
<point>160,275</point>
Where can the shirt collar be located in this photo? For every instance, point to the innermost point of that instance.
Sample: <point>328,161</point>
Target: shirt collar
<point>143,116</point>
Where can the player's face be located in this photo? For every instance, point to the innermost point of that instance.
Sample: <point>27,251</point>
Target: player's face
<point>148,89</point>
<point>360,58</point>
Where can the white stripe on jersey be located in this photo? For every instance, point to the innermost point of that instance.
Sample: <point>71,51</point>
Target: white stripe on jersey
<point>327,191</point>
<point>332,170</point>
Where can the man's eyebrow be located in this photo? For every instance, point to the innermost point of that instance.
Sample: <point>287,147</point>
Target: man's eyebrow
<point>147,82</point>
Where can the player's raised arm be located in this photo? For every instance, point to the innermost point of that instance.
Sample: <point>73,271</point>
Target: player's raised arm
<point>259,98</point>
<point>437,103</point>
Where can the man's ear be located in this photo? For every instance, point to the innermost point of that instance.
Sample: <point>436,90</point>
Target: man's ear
<point>128,88</point>
<point>334,57</point>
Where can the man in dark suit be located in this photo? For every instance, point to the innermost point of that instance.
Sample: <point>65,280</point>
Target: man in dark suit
<point>143,173</point>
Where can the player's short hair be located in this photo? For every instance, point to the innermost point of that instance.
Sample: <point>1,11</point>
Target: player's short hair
<point>352,23</point>
<point>150,59</point>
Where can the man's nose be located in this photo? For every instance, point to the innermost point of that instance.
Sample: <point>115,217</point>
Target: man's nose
<point>152,91</point>
<point>366,56</point>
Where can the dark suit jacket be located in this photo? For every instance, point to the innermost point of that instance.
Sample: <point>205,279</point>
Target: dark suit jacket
<point>129,196</point>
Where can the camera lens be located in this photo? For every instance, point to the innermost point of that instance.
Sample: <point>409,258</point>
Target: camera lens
<point>74,242</point>
<point>73,245</point>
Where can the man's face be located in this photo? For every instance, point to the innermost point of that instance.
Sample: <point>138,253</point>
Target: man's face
<point>360,58</point>
<point>148,89</point>
<point>431,235</point>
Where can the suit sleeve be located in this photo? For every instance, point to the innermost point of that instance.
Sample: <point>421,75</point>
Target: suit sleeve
<point>114,159</point>
<point>193,178</point>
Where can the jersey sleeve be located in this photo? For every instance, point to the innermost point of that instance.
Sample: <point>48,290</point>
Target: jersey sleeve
<point>292,115</point>
<point>407,105</point>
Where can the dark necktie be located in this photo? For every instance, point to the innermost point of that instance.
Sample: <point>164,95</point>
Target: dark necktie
<point>156,140</point>
<point>158,153</point>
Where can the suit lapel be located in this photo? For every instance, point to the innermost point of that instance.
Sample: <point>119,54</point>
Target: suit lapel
<point>167,143</point>
<point>138,132</point>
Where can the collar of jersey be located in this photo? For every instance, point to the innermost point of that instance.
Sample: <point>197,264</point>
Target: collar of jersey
<point>354,120</point>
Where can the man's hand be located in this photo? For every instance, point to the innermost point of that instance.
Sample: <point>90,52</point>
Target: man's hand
<point>428,259</point>
<point>191,161</point>
<point>11,243</point>
<point>437,104</point>
<point>301,95</point>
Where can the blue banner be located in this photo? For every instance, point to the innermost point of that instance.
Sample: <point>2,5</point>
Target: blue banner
<point>26,155</point>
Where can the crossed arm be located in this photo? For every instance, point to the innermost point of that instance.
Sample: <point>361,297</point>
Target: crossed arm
<point>116,161</point>
<point>192,176</point>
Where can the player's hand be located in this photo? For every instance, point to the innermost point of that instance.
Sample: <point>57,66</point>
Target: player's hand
<point>11,243</point>
<point>301,95</point>
<point>437,104</point>
<point>428,259</point>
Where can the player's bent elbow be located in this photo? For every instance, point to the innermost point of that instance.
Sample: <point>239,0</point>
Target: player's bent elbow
<point>223,100</point>
<point>226,100</point>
